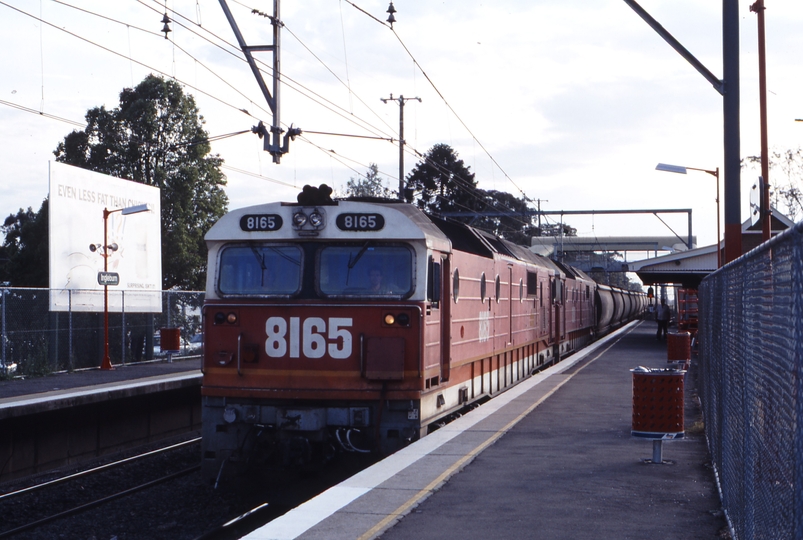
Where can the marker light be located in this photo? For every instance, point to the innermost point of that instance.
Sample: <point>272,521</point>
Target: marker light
<point>389,319</point>
<point>231,318</point>
<point>299,219</point>
<point>315,219</point>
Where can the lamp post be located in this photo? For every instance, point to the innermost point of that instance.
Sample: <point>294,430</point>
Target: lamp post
<point>106,248</point>
<point>715,173</point>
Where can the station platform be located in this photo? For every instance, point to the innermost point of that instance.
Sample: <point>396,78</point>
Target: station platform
<point>65,418</point>
<point>552,458</point>
<point>21,389</point>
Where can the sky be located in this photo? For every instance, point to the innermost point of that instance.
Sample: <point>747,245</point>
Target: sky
<point>569,103</point>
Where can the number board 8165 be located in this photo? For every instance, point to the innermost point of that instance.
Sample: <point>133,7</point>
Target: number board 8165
<point>360,222</point>
<point>260,222</point>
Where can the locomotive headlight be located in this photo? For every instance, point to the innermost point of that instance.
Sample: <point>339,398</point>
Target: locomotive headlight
<point>299,219</point>
<point>220,317</point>
<point>231,318</point>
<point>316,219</point>
<point>389,319</point>
<point>403,319</point>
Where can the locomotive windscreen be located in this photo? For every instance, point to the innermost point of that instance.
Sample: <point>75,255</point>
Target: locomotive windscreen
<point>261,270</point>
<point>366,270</point>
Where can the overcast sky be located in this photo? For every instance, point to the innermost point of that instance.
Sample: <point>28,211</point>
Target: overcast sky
<point>571,102</point>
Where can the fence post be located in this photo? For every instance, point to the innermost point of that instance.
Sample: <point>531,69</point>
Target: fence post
<point>3,363</point>
<point>69,324</point>
<point>122,324</point>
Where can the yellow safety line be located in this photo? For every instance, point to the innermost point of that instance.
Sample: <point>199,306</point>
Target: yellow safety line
<point>398,513</point>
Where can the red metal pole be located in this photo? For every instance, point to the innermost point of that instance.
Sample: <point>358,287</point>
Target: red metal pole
<point>106,364</point>
<point>766,215</point>
<point>719,252</point>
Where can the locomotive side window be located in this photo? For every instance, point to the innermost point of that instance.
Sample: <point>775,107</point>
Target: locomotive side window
<point>372,270</point>
<point>521,290</point>
<point>434,282</point>
<point>498,288</point>
<point>260,269</point>
<point>456,285</point>
<point>482,287</point>
<point>532,283</point>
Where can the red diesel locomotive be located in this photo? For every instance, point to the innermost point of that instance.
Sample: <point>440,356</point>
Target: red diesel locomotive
<point>358,325</point>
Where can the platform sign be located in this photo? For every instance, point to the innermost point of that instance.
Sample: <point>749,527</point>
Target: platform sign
<point>108,278</point>
<point>77,276</point>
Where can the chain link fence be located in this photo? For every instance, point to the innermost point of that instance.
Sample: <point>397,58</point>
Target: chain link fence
<point>36,341</point>
<point>751,358</point>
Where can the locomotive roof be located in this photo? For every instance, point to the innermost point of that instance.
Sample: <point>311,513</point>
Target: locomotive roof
<point>485,244</point>
<point>402,222</point>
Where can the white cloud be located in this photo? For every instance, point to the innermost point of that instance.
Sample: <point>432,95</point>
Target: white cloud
<point>576,101</point>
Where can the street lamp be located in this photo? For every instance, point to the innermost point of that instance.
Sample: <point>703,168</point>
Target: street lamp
<point>105,250</point>
<point>715,173</point>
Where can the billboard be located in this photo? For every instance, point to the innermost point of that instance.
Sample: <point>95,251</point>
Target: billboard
<point>78,199</point>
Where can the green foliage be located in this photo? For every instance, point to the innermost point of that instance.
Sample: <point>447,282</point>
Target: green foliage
<point>555,229</point>
<point>441,182</point>
<point>515,225</point>
<point>372,185</point>
<point>156,137</point>
<point>24,253</point>
<point>36,362</point>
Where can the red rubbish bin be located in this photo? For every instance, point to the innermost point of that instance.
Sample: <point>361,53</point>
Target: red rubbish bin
<point>658,403</point>
<point>678,347</point>
<point>170,339</point>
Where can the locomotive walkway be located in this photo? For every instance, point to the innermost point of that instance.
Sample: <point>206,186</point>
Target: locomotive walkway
<point>552,458</point>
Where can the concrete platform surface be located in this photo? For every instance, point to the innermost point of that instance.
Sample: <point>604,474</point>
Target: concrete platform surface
<point>552,458</point>
<point>57,382</point>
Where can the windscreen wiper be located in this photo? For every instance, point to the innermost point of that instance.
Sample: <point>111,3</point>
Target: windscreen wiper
<point>353,263</point>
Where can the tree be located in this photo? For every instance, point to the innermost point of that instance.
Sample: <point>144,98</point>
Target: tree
<point>371,185</point>
<point>24,253</point>
<point>443,183</point>
<point>515,226</point>
<point>786,194</point>
<point>156,137</point>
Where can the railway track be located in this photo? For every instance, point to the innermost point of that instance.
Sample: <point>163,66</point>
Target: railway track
<point>29,509</point>
<point>155,495</point>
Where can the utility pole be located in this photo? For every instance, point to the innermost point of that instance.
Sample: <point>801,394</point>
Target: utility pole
<point>539,201</point>
<point>401,100</point>
<point>273,141</point>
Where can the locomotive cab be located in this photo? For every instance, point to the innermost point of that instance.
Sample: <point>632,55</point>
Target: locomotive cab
<point>323,328</point>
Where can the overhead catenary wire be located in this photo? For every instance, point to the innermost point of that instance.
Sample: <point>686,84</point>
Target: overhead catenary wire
<point>245,111</point>
<point>42,113</point>
<point>513,213</point>
<point>287,81</point>
<point>443,98</point>
<point>143,64</point>
<point>360,122</point>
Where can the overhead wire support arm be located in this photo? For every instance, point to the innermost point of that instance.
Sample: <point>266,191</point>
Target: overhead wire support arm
<point>718,84</point>
<point>272,138</point>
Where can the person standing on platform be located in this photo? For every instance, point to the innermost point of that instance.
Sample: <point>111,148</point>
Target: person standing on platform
<point>662,315</point>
